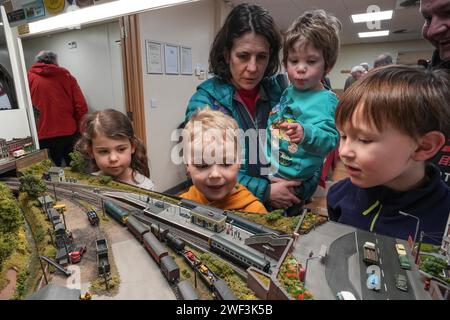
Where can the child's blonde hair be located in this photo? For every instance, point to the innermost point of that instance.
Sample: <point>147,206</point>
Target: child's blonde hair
<point>113,124</point>
<point>316,27</point>
<point>411,99</point>
<point>219,125</point>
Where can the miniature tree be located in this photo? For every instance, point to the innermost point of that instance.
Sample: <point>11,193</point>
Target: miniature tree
<point>5,192</point>
<point>434,266</point>
<point>10,216</point>
<point>32,186</point>
<point>10,221</point>
<point>273,216</point>
<point>105,179</point>
<point>78,163</point>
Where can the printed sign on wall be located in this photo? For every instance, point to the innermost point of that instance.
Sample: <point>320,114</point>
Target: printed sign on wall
<point>34,9</point>
<point>54,6</point>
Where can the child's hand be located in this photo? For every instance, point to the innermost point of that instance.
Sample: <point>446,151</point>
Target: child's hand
<point>294,131</point>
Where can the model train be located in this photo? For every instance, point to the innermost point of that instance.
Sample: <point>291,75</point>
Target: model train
<point>247,225</point>
<point>156,249</point>
<point>167,264</point>
<point>237,253</point>
<point>116,212</point>
<point>216,243</point>
<point>233,219</point>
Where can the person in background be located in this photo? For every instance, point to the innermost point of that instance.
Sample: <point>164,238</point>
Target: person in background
<point>211,151</point>
<point>59,106</point>
<point>356,73</point>
<point>244,59</point>
<point>422,62</point>
<point>383,59</point>
<point>391,124</point>
<point>301,129</point>
<point>108,139</point>
<point>436,29</point>
<point>365,65</point>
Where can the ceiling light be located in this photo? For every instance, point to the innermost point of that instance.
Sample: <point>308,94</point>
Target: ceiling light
<point>372,16</point>
<point>100,12</point>
<point>381,33</point>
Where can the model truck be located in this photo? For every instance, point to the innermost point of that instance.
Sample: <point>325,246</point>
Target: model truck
<point>370,253</point>
<point>93,217</point>
<point>102,256</point>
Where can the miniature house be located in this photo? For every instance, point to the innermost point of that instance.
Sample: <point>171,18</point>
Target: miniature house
<point>209,218</point>
<point>57,174</point>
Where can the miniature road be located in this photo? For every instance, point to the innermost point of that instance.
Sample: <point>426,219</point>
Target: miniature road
<point>389,265</point>
<point>337,268</point>
<point>316,281</point>
<point>140,276</point>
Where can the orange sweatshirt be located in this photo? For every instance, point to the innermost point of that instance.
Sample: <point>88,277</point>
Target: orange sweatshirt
<point>240,200</point>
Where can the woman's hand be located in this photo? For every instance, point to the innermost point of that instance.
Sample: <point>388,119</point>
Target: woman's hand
<point>294,131</point>
<point>281,193</point>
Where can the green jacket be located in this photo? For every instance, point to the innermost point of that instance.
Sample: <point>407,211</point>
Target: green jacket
<point>220,95</point>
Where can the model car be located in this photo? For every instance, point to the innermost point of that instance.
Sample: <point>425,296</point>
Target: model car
<point>400,282</point>
<point>400,249</point>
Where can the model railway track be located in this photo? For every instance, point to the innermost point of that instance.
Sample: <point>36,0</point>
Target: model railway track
<point>193,241</point>
<point>196,242</point>
<point>174,287</point>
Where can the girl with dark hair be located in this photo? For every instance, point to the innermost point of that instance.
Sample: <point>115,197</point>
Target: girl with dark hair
<point>244,59</point>
<point>108,139</point>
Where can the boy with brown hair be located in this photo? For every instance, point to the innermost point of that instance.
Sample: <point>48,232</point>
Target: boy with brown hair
<point>391,123</point>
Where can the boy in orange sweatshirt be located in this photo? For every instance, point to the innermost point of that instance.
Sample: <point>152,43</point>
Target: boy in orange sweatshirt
<point>212,153</point>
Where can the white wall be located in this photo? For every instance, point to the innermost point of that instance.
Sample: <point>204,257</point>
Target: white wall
<point>96,62</point>
<point>190,25</point>
<point>352,55</point>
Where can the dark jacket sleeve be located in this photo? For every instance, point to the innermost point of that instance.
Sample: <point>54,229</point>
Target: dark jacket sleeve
<point>333,197</point>
<point>258,186</point>
<point>308,187</point>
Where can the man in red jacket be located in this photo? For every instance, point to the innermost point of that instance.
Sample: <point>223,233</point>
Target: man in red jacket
<point>59,104</point>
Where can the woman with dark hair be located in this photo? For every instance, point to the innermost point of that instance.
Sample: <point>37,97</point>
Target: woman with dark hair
<point>244,59</point>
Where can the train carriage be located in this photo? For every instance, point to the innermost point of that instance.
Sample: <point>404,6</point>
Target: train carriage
<point>186,290</point>
<point>154,247</point>
<point>170,268</point>
<point>222,291</point>
<point>116,212</point>
<point>159,232</point>
<point>137,228</point>
<point>237,253</point>
<point>175,243</point>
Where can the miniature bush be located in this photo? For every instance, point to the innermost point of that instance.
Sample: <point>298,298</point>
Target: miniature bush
<point>10,216</point>
<point>294,222</point>
<point>273,216</point>
<point>105,179</point>
<point>78,162</point>
<point>435,266</point>
<point>32,186</point>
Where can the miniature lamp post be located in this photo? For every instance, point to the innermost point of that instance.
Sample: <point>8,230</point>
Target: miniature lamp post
<point>54,191</point>
<point>311,257</point>
<point>417,227</point>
